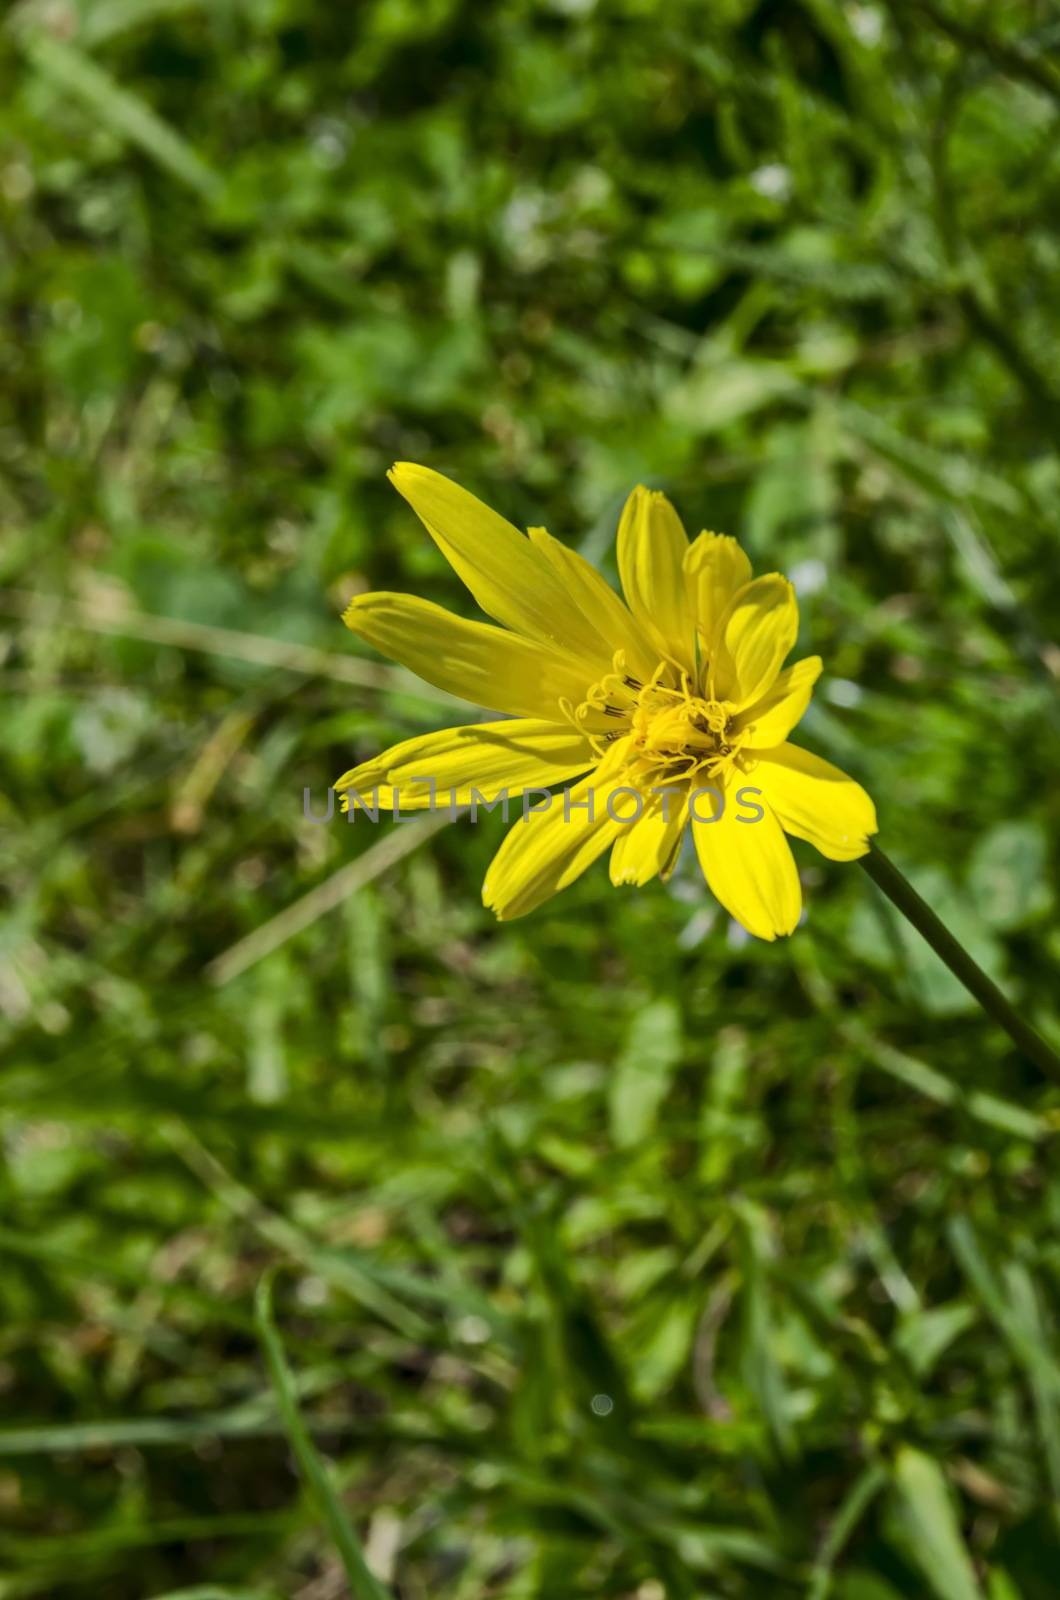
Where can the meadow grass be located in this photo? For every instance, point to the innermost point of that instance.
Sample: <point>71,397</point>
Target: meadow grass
<point>352,1244</point>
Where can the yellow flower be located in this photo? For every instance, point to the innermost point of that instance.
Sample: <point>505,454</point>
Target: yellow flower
<point>671,709</point>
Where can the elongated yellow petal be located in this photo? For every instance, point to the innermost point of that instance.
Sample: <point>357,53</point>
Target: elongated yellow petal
<point>545,853</point>
<point>483,759</point>
<point>747,863</point>
<point>651,552</point>
<point>769,721</point>
<point>648,847</point>
<point>598,602</point>
<point>482,664</point>
<point>509,579</point>
<point>754,635</point>
<point>816,801</point>
<point>715,567</point>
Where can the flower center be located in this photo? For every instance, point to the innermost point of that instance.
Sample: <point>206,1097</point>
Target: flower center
<point>674,732</point>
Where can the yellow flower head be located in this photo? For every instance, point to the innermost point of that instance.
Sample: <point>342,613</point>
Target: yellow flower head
<point>671,709</point>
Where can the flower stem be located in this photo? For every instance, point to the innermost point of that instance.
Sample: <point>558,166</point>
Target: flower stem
<point>886,876</point>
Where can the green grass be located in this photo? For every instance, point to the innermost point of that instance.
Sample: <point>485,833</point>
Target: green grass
<point>614,1254</point>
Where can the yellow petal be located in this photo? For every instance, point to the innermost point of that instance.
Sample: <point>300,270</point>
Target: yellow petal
<point>748,864</point>
<point>715,567</point>
<point>509,579</point>
<point>651,552</point>
<point>485,757</point>
<point>598,602</point>
<point>770,720</point>
<point>816,801</point>
<point>754,635</point>
<point>649,846</point>
<point>485,665</point>
<point>545,853</point>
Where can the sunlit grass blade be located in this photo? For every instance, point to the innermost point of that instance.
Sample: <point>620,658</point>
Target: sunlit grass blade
<point>124,114</point>
<point>363,1584</point>
<point>931,1533</point>
<point>211,1591</point>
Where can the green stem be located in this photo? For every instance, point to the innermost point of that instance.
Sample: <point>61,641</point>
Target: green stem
<point>900,892</point>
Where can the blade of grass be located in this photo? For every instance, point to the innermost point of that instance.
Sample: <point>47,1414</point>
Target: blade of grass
<point>999,1305</point>
<point>252,1419</point>
<point>210,1591</point>
<point>363,1584</point>
<point>124,114</point>
<point>327,896</point>
<point>1026,1305</point>
<point>764,1374</point>
<point>52,610</point>
<point>1013,1306</point>
<point>861,1493</point>
<point>893,883</point>
<point>34,1550</point>
<point>929,1521</point>
<point>987,1108</point>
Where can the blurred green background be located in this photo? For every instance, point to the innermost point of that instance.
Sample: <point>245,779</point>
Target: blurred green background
<point>617,1255</point>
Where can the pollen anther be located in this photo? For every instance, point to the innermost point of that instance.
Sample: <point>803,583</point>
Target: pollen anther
<point>675,733</point>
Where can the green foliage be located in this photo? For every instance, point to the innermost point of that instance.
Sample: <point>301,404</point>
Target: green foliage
<point>363,1586</point>
<point>623,1256</point>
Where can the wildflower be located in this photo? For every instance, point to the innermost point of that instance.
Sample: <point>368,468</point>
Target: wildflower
<point>671,709</point>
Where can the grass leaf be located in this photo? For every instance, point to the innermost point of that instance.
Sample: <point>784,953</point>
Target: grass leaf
<point>932,1535</point>
<point>363,1584</point>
